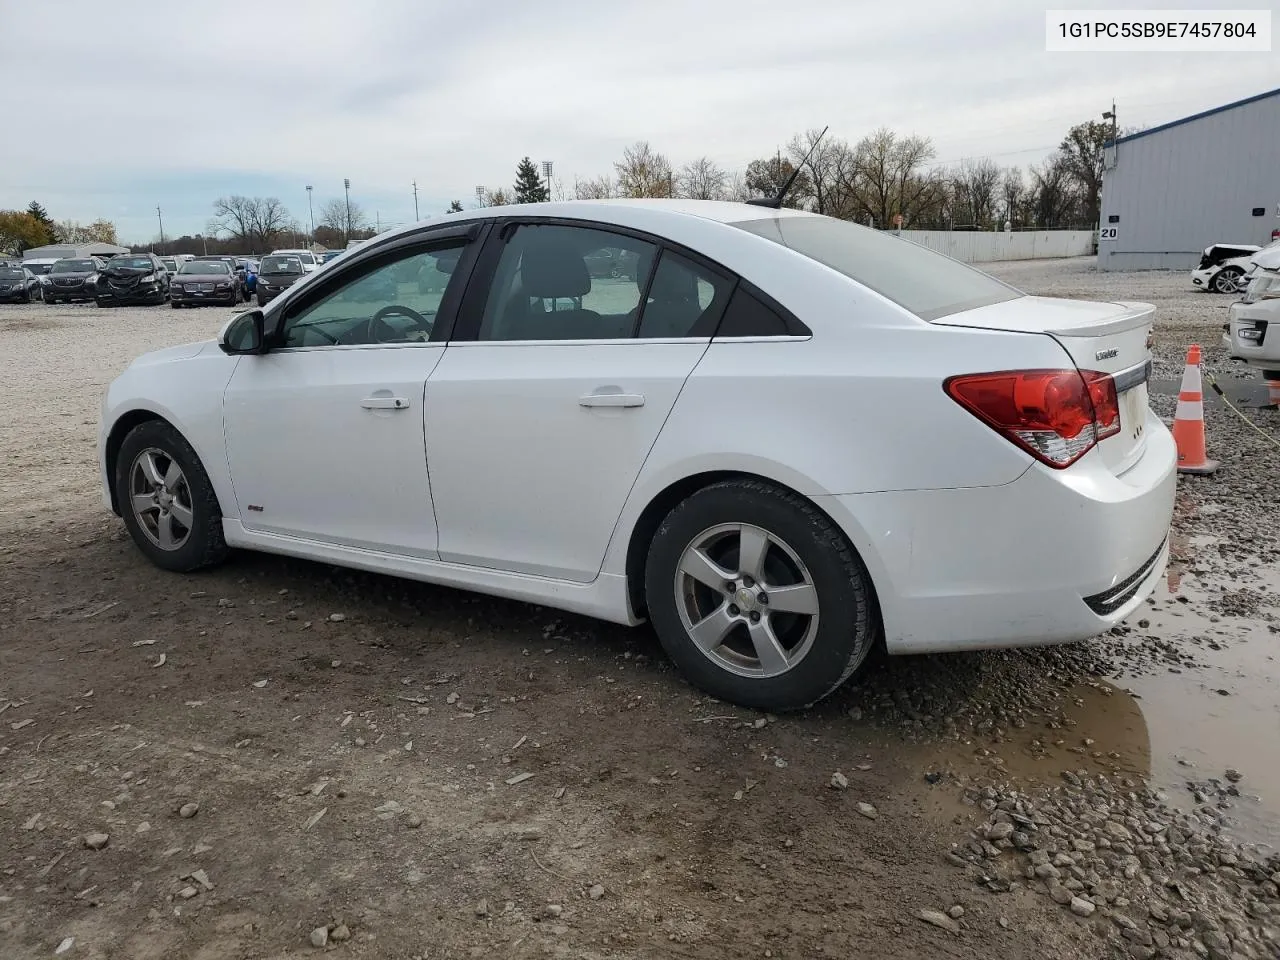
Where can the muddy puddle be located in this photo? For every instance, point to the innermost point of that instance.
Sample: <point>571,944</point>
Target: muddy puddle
<point>1197,695</point>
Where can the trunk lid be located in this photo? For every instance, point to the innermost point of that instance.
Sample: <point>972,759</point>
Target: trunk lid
<point>1112,338</point>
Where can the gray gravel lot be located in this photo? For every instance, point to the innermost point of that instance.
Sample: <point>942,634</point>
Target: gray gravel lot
<point>355,745</point>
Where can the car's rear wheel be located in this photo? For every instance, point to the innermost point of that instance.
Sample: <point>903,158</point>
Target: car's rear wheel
<point>175,304</point>
<point>1227,280</point>
<point>166,499</point>
<point>758,597</point>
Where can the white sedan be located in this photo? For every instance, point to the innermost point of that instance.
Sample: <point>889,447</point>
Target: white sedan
<point>787,440</point>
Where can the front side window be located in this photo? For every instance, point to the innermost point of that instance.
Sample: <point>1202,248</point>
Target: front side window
<point>916,278</point>
<point>557,282</point>
<point>394,303</point>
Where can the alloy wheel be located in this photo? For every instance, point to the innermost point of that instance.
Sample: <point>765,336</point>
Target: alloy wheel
<point>747,600</point>
<point>161,499</point>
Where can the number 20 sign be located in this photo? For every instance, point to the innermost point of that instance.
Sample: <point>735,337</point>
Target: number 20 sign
<point>1109,233</point>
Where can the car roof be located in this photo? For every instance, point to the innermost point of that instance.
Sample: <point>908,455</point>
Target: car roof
<point>642,214</point>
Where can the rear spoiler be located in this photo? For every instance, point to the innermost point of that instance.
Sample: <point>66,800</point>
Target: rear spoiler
<point>1133,315</point>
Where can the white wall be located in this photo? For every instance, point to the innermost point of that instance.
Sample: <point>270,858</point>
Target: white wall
<point>986,246</point>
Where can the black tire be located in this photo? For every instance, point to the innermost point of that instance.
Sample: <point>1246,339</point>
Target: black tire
<point>204,545</point>
<point>848,621</point>
<point>261,301</point>
<point>175,304</point>
<point>1219,283</point>
<point>102,304</point>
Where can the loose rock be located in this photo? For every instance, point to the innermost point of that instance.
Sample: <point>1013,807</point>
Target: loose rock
<point>839,781</point>
<point>868,811</point>
<point>96,841</point>
<point>189,810</point>
<point>939,919</point>
<point>596,891</point>
<point>319,937</point>
<point>1082,907</point>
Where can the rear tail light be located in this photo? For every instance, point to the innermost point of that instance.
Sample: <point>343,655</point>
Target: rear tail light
<point>1055,415</point>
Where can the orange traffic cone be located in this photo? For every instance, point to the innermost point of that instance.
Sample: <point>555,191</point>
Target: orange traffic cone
<point>1188,421</point>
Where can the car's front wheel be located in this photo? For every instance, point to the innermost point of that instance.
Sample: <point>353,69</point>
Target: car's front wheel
<point>758,597</point>
<point>168,504</point>
<point>1227,280</point>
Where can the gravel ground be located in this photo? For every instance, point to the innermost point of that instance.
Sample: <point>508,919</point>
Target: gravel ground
<point>278,754</point>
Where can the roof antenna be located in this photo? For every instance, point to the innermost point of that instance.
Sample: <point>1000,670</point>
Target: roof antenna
<point>775,203</point>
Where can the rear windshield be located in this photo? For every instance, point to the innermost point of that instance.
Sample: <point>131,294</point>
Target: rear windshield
<point>281,265</point>
<point>207,267</point>
<point>73,266</point>
<point>916,278</point>
<point>38,268</point>
<point>9,273</point>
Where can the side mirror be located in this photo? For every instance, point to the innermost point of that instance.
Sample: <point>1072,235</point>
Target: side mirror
<point>243,334</point>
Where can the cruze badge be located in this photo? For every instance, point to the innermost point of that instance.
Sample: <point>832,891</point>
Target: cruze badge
<point>1105,354</point>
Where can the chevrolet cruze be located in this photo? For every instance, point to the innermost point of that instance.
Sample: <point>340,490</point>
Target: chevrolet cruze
<point>783,440</point>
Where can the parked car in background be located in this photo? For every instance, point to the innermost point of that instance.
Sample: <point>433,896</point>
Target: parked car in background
<point>1252,331</point>
<point>170,264</point>
<point>131,278</point>
<point>73,280</point>
<point>205,281</point>
<point>330,255</point>
<point>233,264</point>
<point>934,460</point>
<point>277,273</point>
<point>1223,266</point>
<point>248,267</point>
<point>308,259</point>
<point>19,285</point>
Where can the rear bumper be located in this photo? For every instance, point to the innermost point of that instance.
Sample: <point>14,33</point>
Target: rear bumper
<point>1053,556</point>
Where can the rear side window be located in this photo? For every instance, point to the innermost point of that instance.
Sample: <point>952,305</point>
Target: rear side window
<point>916,278</point>
<point>684,299</point>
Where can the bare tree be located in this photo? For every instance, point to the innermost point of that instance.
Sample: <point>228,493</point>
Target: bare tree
<point>254,221</point>
<point>979,181</point>
<point>601,188</point>
<point>1053,191</point>
<point>702,179</point>
<point>737,188</point>
<point>823,168</point>
<point>1081,153</point>
<point>1012,191</point>
<point>497,198</point>
<point>346,219</point>
<point>643,172</point>
<point>887,176</point>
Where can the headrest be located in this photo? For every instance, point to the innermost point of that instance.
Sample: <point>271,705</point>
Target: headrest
<point>550,269</point>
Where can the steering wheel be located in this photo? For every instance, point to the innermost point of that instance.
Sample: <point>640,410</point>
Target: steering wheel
<point>379,319</point>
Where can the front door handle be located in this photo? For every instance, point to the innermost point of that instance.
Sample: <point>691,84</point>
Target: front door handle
<point>611,400</point>
<point>384,403</point>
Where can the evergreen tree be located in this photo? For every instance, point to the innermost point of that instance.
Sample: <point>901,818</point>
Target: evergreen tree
<point>455,206</point>
<point>529,187</point>
<point>49,228</point>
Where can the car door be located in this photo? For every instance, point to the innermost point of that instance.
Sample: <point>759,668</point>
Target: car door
<point>324,431</point>
<point>546,403</point>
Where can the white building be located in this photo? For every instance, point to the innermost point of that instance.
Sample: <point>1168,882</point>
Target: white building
<point>1171,191</point>
<point>73,251</point>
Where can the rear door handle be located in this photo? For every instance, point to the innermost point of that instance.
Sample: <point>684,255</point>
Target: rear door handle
<point>611,400</point>
<point>384,403</point>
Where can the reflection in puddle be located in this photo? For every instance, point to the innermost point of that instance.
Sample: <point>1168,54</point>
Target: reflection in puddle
<point>1196,693</point>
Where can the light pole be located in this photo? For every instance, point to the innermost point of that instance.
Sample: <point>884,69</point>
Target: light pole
<point>312,212</point>
<point>161,219</point>
<point>415,201</point>
<point>346,188</point>
<point>480,194</point>
<point>546,172</point>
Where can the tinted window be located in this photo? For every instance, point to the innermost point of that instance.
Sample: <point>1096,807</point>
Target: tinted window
<point>566,283</point>
<point>914,277</point>
<point>684,300</point>
<point>396,302</point>
<point>748,316</point>
<point>73,266</point>
<point>9,274</point>
<point>275,264</point>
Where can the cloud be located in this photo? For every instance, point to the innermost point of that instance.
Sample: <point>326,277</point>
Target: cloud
<point>175,104</point>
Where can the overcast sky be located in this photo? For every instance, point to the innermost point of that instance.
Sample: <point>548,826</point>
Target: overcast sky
<point>117,108</point>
